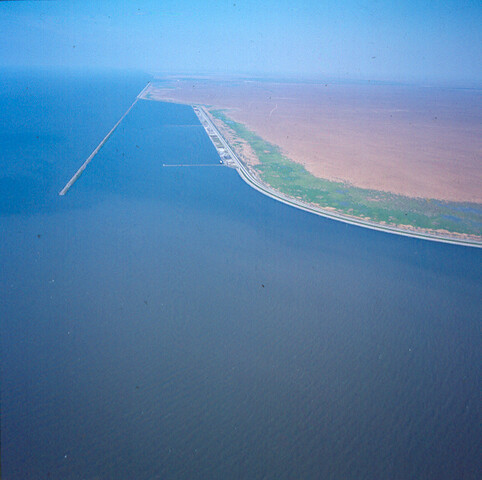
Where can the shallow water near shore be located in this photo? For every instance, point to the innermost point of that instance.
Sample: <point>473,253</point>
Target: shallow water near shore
<point>175,323</point>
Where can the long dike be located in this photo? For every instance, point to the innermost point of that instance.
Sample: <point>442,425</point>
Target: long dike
<point>254,182</point>
<point>101,144</point>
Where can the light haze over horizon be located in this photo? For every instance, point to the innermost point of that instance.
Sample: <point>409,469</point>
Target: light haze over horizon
<point>369,40</point>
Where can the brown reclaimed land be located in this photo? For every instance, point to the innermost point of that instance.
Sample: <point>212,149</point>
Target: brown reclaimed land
<point>427,181</point>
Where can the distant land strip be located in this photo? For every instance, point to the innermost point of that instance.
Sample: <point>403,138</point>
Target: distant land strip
<point>268,190</point>
<point>101,144</point>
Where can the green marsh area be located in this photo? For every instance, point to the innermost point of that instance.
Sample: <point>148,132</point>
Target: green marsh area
<point>292,179</point>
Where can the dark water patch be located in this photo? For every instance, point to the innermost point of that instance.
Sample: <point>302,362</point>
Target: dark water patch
<point>469,208</point>
<point>452,218</point>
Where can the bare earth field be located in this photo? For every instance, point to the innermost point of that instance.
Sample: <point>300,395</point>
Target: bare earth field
<point>412,141</point>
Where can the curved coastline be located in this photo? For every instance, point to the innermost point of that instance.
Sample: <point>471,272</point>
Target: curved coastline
<point>255,183</point>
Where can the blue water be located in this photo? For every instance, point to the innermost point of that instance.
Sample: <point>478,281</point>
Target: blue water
<point>174,323</point>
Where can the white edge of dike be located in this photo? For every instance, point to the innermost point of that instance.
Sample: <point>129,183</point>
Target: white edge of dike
<point>245,174</point>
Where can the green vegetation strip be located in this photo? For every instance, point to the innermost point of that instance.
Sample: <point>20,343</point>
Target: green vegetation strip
<point>292,179</point>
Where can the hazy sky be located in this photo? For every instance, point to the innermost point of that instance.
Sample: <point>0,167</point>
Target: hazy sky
<point>402,40</point>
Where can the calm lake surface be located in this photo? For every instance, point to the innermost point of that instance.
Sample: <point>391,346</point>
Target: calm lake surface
<point>174,323</point>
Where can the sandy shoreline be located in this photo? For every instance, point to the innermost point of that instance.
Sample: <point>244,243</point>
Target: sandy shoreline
<point>268,168</point>
<point>406,140</point>
<point>251,178</point>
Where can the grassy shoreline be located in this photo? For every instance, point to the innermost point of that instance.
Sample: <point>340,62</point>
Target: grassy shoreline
<point>385,208</point>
